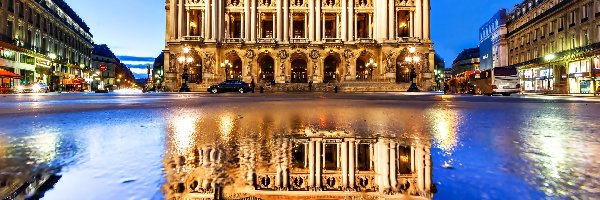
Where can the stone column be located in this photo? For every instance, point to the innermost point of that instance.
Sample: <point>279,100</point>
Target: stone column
<point>242,26</point>
<point>260,30</point>
<point>355,26</point>
<point>318,22</point>
<point>311,164</point>
<point>426,19</point>
<point>319,159</point>
<point>279,21</point>
<point>291,26</point>
<point>274,27</point>
<point>393,152</point>
<point>207,20</point>
<point>344,31</point>
<point>351,164</point>
<point>391,20</point>
<point>305,25</point>
<point>323,26</point>
<point>228,21</point>
<point>418,19</point>
<point>420,165</point>
<point>311,21</point>
<point>180,16</point>
<point>337,25</point>
<point>253,21</point>
<point>351,21</point>
<point>221,20</point>
<point>427,170</point>
<point>412,23</point>
<point>187,22</point>
<point>286,19</point>
<point>214,22</point>
<point>344,164</point>
<point>370,28</point>
<point>247,23</point>
<point>383,165</point>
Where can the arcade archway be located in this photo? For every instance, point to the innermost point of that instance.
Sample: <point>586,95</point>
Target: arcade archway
<point>330,69</point>
<point>267,69</point>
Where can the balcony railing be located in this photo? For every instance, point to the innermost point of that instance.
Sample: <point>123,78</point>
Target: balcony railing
<point>234,40</point>
<point>299,40</point>
<point>193,38</point>
<point>408,39</point>
<point>332,40</point>
<point>366,40</point>
<point>266,40</point>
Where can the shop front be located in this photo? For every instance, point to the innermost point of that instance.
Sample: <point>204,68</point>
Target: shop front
<point>539,79</point>
<point>580,79</point>
<point>7,81</point>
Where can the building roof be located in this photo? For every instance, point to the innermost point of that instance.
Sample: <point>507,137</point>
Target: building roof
<point>103,50</point>
<point>467,54</point>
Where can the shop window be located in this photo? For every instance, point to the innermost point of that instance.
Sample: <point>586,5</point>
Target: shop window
<point>404,160</point>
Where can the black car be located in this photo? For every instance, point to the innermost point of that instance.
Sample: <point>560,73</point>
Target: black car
<point>230,86</point>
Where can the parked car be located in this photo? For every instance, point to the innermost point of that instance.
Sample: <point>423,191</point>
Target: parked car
<point>33,88</point>
<point>230,86</point>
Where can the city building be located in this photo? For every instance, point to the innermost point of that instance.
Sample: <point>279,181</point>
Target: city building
<point>493,46</point>
<point>439,66</point>
<point>555,44</point>
<point>466,61</point>
<point>44,41</point>
<point>157,72</point>
<point>109,72</point>
<point>296,42</point>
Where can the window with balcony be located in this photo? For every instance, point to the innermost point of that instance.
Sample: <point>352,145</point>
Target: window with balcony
<point>11,4</point>
<point>585,37</point>
<point>403,21</point>
<point>299,25</point>
<point>363,159</point>
<point>9,29</point>
<point>299,156</point>
<point>20,10</point>
<point>584,12</point>
<point>266,26</point>
<point>331,157</point>
<point>572,18</point>
<point>235,25</point>
<point>404,160</point>
<point>330,25</point>
<point>362,25</point>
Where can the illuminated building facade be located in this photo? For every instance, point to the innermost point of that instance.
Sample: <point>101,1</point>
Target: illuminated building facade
<point>43,41</point>
<point>298,41</point>
<point>555,44</point>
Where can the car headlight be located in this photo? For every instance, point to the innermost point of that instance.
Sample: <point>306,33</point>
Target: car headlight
<point>20,87</point>
<point>36,87</point>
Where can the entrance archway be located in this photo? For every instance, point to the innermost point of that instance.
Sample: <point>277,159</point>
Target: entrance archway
<point>361,71</point>
<point>402,71</point>
<point>234,70</point>
<point>299,74</point>
<point>195,70</point>
<point>267,69</point>
<point>330,66</point>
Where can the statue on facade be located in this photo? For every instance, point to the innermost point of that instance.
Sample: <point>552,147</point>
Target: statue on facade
<point>283,54</point>
<point>172,62</point>
<point>314,55</point>
<point>210,60</point>
<point>250,56</point>
<point>348,54</point>
<point>389,62</point>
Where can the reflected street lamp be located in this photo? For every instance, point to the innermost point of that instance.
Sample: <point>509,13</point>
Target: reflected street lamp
<point>371,65</point>
<point>413,59</point>
<point>185,61</point>
<point>226,65</point>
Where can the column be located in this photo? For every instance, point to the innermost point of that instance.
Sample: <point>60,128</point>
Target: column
<point>393,153</point>
<point>344,31</point>
<point>279,21</point>
<point>370,25</point>
<point>319,159</point>
<point>201,23</point>
<point>292,26</point>
<point>274,27</point>
<point>311,21</point>
<point>207,20</point>
<point>180,19</point>
<point>247,14</point>
<point>391,20</point>
<point>351,22</point>
<point>382,165</point>
<point>187,22</point>
<point>242,26</point>
<point>260,30</point>
<point>305,25</point>
<point>311,164</point>
<point>253,21</point>
<point>351,165</point>
<point>172,31</point>
<point>427,170</point>
<point>213,35</point>
<point>418,19</point>
<point>337,25</point>
<point>426,10</point>
<point>318,22</point>
<point>229,22</point>
<point>221,20</point>
<point>412,24</point>
<point>323,26</point>
<point>286,21</point>
<point>344,164</point>
<point>419,164</point>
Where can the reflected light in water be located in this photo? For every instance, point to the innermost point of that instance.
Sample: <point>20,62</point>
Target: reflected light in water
<point>45,145</point>
<point>226,121</point>
<point>444,128</point>
<point>184,129</point>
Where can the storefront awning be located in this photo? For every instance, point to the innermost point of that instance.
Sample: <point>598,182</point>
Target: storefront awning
<point>7,74</point>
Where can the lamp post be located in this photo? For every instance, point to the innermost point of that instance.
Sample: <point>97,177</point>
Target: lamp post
<point>185,61</point>
<point>226,64</point>
<point>412,59</point>
<point>371,65</point>
<point>52,56</point>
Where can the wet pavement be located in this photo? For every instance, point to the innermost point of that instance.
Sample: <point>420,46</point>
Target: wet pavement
<point>128,146</point>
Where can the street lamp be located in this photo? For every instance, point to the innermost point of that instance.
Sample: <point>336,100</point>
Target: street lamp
<point>371,65</point>
<point>226,65</point>
<point>412,59</point>
<point>185,60</point>
<point>52,56</point>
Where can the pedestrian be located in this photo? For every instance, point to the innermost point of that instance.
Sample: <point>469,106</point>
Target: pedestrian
<point>446,88</point>
<point>310,86</point>
<point>252,85</point>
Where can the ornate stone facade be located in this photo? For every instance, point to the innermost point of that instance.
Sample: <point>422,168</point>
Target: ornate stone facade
<point>297,41</point>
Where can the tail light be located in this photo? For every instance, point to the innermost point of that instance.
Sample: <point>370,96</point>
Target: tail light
<point>494,87</point>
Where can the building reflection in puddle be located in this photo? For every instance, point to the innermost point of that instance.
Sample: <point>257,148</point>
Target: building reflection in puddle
<point>444,130</point>
<point>329,153</point>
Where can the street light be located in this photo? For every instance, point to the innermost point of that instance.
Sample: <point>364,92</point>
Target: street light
<point>185,60</point>
<point>52,57</point>
<point>225,65</point>
<point>371,65</point>
<point>412,59</point>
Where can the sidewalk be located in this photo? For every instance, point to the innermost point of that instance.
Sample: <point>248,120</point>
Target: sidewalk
<point>560,95</point>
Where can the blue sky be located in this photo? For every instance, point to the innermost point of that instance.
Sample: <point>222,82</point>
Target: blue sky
<point>137,27</point>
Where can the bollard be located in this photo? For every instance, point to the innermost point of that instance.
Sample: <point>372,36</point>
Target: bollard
<point>262,89</point>
<point>335,89</point>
